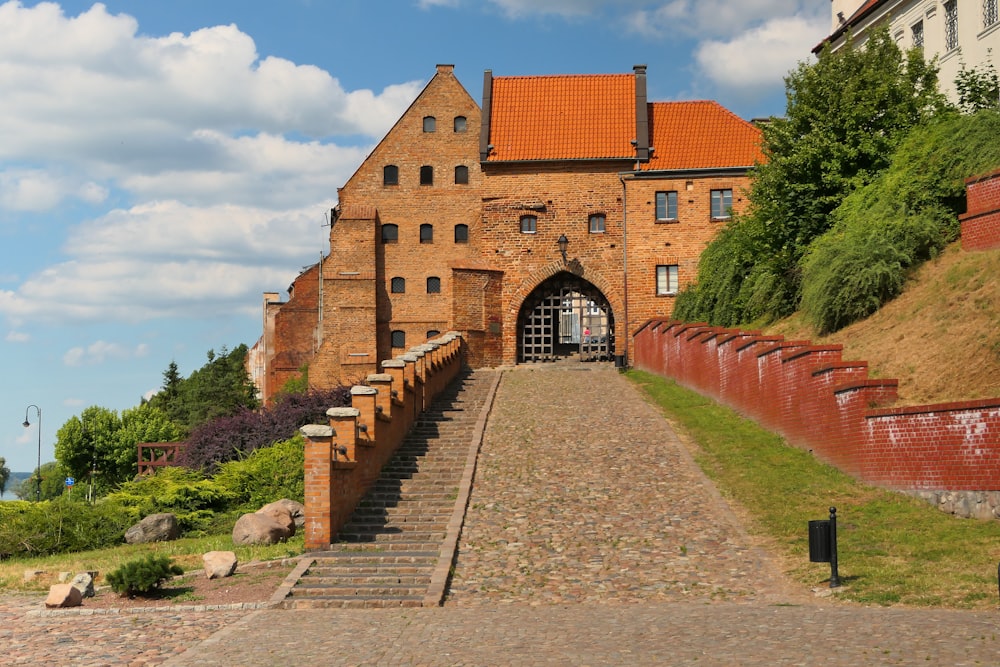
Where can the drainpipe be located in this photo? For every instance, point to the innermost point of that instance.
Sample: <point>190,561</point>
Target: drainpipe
<point>621,177</point>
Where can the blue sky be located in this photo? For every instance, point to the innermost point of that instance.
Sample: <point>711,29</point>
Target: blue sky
<point>163,163</point>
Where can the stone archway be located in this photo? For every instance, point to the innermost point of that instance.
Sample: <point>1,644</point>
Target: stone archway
<point>565,316</point>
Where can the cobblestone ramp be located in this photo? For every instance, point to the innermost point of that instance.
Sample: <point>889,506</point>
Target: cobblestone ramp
<point>395,551</point>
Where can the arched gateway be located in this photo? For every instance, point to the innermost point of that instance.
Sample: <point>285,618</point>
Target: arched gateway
<point>565,316</point>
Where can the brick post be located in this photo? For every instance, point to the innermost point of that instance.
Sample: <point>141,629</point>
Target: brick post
<point>363,398</point>
<point>318,503</point>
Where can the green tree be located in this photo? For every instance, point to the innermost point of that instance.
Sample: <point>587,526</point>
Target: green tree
<point>53,483</point>
<point>978,88</point>
<point>845,115</point>
<point>4,475</point>
<point>219,388</point>
<point>99,440</point>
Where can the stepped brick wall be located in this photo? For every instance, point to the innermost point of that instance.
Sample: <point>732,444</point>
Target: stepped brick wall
<point>344,457</point>
<point>981,222</point>
<point>830,406</point>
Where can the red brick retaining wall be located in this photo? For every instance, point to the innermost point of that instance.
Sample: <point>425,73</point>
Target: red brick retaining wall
<point>981,222</point>
<point>820,402</point>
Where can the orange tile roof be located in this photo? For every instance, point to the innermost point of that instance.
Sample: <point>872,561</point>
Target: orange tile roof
<point>700,135</point>
<point>566,117</point>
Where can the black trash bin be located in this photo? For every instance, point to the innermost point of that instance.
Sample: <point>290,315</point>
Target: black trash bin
<point>620,361</point>
<point>819,541</point>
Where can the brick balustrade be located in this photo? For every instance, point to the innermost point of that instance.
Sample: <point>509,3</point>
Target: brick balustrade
<point>343,458</point>
<point>819,402</point>
<point>981,221</point>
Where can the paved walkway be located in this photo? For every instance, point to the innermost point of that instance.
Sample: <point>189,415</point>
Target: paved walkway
<point>591,539</point>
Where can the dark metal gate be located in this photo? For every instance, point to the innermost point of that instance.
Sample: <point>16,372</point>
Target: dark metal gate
<point>564,317</point>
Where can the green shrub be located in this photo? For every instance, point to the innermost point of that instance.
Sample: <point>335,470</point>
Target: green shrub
<point>267,474</point>
<point>59,526</point>
<point>180,491</point>
<point>142,576</point>
<point>884,230</point>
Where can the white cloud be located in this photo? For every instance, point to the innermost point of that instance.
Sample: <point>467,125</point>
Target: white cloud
<point>101,351</point>
<point>567,8</point>
<point>110,107</point>
<point>17,337</point>
<point>756,61</point>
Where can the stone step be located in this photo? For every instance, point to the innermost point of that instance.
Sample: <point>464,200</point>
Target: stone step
<point>421,580</point>
<point>348,602</point>
<point>391,537</point>
<point>360,590</point>
<point>398,545</point>
<point>370,558</point>
<point>371,570</point>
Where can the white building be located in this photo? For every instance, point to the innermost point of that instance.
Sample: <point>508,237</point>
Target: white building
<point>955,31</point>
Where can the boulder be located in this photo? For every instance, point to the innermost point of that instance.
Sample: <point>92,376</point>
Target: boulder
<point>154,528</point>
<point>256,528</point>
<point>219,564</point>
<point>63,595</point>
<point>84,582</point>
<point>281,515</point>
<point>297,510</point>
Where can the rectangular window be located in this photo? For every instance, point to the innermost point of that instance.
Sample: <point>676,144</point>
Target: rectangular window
<point>666,205</point>
<point>722,202</point>
<point>951,24</point>
<point>666,279</point>
<point>399,338</point>
<point>529,224</point>
<point>917,34</point>
<point>597,224</point>
<point>989,13</point>
<point>427,175</point>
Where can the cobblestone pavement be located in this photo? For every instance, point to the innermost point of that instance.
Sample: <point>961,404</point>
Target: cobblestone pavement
<point>591,539</point>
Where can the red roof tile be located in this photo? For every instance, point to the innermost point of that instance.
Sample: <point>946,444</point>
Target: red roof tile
<point>571,117</point>
<point>700,135</point>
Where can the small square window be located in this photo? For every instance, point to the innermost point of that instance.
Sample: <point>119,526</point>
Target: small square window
<point>427,175</point>
<point>666,205</point>
<point>390,175</point>
<point>666,279</point>
<point>390,233</point>
<point>597,223</point>
<point>397,285</point>
<point>430,124</point>
<point>529,224</point>
<point>460,123</point>
<point>462,175</point>
<point>433,285</point>
<point>398,339</point>
<point>461,233</point>
<point>426,233</point>
<point>722,204</point>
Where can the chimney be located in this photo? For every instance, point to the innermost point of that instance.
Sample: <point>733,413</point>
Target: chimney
<point>641,115</point>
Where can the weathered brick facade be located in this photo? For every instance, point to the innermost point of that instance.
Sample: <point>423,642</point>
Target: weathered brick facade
<point>427,236</point>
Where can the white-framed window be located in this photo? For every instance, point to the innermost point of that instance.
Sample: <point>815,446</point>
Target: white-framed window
<point>666,205</point>
<point>666,279</point>
<point>951,24</point>
<point>529,224</point>
<point>722,204</point>
<point>596,223</point>
<point>989,13</point>
<point>917,34</point>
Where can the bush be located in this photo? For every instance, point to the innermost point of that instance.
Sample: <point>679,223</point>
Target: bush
<point>185,493</point>
<point>884,230</point>
<point>142,576</point>
<point>59,526</point>
<point>266,475</point>
<point>230,438</point>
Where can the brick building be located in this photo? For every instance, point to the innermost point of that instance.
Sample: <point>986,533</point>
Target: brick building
<point>549,222</point>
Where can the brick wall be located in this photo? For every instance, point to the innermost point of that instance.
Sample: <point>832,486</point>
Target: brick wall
<point>981,222</point>
<point>830,406</point>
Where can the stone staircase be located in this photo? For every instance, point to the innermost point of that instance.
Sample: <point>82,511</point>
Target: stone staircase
<point>388,552</point>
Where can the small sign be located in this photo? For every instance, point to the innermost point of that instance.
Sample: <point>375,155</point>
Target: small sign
<point>70,481</point>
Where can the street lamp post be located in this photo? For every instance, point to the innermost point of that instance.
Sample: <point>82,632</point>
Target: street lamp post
<point>38,470</point>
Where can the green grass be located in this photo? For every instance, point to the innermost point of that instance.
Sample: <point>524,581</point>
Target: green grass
<point>186,552</point>
<point>892,549</point>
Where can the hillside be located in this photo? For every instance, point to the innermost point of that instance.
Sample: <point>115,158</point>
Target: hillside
<point>940,338</point>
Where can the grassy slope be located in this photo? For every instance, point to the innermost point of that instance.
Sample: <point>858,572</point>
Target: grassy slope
<point>940,338</point>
